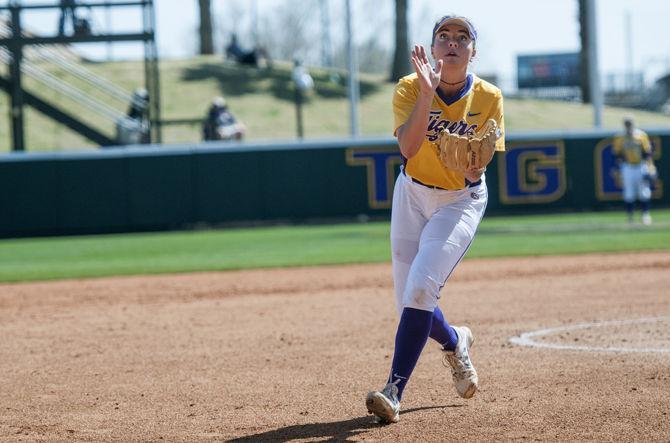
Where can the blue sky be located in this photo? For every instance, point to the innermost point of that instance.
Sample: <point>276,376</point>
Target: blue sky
<point>506,28</point>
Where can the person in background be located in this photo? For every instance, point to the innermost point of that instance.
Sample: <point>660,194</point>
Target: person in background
<point>67,8</point>
<point>221,124</point>
<point>134,127</point>
<point>633,152</point>
<point>258,57</point>
<point>235,52</point>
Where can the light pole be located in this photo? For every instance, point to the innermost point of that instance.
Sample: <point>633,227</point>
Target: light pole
<point>352,61</point>
<point>594,70</point>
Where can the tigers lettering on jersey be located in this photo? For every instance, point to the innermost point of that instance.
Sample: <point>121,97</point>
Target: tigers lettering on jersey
<point>437,125</point>
<point>462,114</point>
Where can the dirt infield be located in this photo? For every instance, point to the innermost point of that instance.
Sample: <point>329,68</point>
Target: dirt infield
<point>283,355</point>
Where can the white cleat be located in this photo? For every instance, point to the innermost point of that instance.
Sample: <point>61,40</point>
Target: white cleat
<point>384,404</point>
<point>462,370</point>
<point>646,218</point>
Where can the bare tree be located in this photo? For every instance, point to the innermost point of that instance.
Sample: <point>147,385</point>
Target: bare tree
<point>375,53</point>
<point>401,66</point>
<point>373,56</point>
<point>205,30</point>
<point>234,22</point>
<point>294,31</point>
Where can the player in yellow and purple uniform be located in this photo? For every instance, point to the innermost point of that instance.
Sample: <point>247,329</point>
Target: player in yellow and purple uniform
<point>475,102</point>
<point>632,150</point>
<point>436,211</point>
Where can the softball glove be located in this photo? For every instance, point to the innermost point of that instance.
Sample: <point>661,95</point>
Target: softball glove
<point>468,154</point>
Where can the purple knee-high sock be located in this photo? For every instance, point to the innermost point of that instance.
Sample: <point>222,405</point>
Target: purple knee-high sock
<point>412,335</point>
<point>441,332</point>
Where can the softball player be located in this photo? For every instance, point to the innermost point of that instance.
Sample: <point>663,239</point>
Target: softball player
<point>435,210</point>
<point>633,153</point>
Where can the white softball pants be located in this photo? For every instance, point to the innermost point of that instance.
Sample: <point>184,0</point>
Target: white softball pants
<point>431,230</point>
<point>635,187</point>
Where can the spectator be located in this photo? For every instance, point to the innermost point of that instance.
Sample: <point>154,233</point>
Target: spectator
<point>257,57</point>
<point>134,127</point>
<point>300,75</point>
<point>220,123</point>
<point>82,25</point>
<point>67,8</point>
<point>234,51</point>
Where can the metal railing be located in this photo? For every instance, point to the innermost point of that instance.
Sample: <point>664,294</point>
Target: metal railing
<point>56,84</point>
<point>43,52</point>
<point>46,53</point>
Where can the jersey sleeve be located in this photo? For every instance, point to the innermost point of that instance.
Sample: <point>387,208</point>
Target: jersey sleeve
<point>617,146</point>
<point>404,99</point>
<point>646,145</point>
<point>498,115</point>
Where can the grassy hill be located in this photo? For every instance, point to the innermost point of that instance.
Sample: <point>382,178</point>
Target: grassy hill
<point>263,100</point>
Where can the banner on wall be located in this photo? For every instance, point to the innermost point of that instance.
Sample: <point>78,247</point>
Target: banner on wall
<point>529,173</point>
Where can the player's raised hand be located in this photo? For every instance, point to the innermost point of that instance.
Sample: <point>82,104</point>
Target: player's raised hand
<point>429,77</point>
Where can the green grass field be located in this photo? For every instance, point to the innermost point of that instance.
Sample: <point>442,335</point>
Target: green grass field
<point>228,249</point>
<point>263,100</point>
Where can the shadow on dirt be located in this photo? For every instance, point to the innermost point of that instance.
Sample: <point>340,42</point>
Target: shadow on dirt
<point>332,431</point>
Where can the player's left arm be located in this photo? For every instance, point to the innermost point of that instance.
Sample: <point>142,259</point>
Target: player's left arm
<point>646,147</point>
<point>498,115</point>
<point>617,150</point>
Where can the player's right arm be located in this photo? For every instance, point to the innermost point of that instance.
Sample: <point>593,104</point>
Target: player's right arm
<point>617,149</point>
<point>412,132</point>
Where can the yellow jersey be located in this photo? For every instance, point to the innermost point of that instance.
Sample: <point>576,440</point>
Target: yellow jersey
<point>632,149</point>
<point>463,113</point>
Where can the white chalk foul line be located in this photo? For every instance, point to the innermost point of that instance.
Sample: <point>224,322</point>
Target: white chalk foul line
<point>526,339</point>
